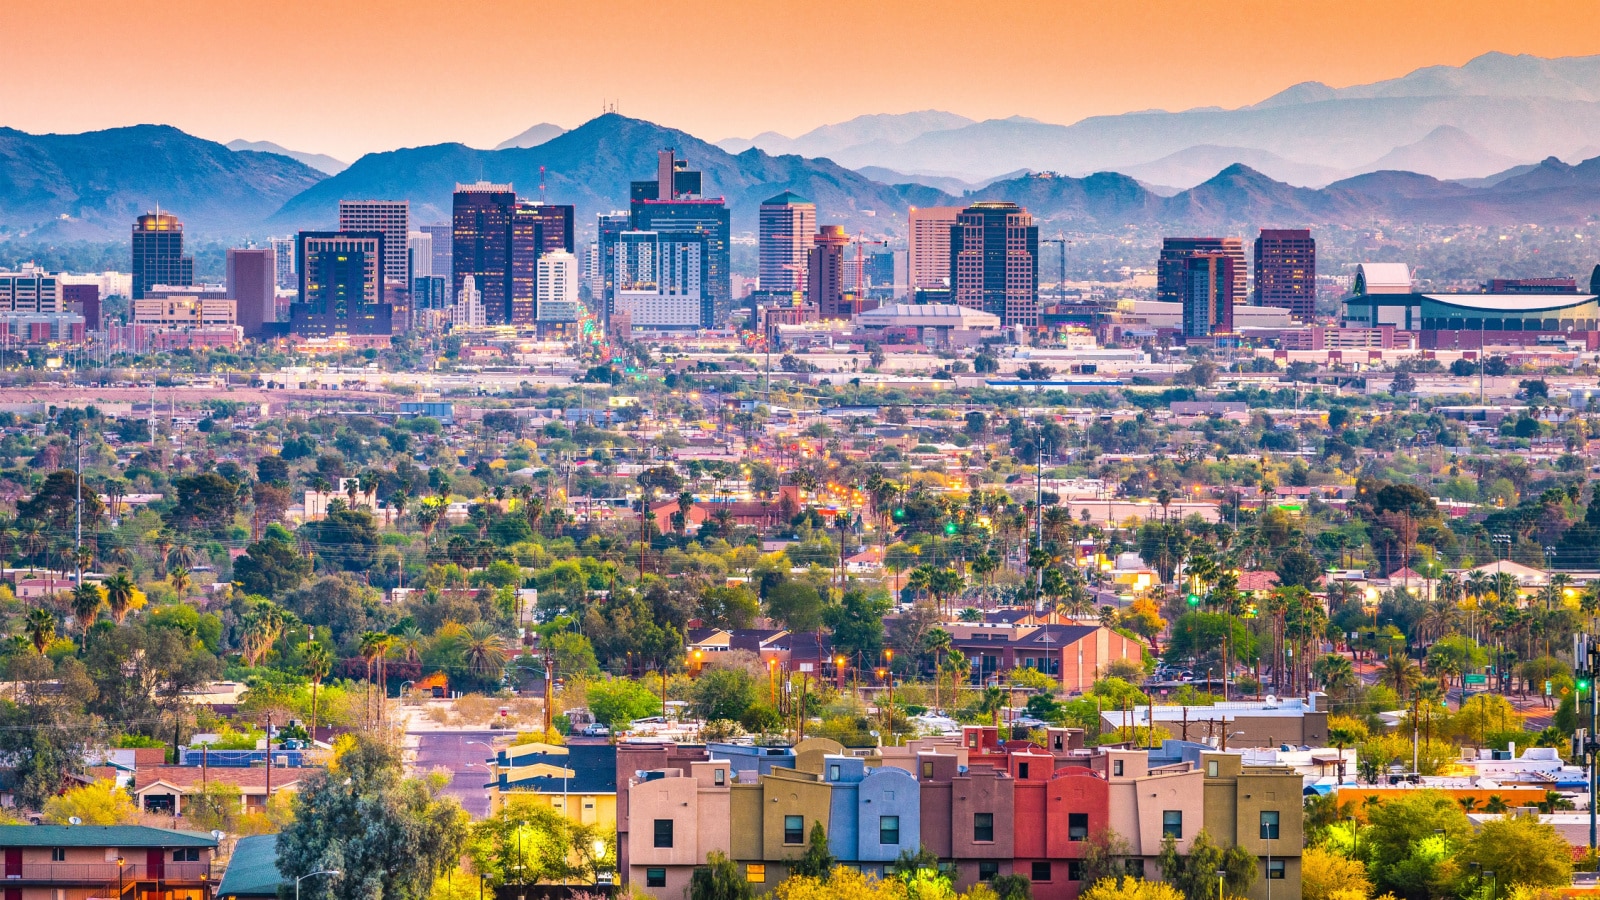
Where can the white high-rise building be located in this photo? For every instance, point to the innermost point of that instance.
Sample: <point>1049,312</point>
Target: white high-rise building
<point>392,219</point>
<point>928,253</point>
<point>657,279</point>
<point>558,287</point>
<point>469,311</point>
<point>420,243</point>
<point>287,275</point>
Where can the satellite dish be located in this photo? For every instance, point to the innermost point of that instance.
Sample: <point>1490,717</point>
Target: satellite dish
<point>217,835</point>
<point>75,821</point>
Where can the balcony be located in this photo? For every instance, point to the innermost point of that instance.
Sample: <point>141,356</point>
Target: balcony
<point>103,873</point>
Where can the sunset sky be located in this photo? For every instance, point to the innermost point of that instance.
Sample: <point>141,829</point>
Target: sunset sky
<point>346,78</point>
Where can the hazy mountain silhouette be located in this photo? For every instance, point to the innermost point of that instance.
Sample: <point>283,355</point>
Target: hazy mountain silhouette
<point>322,162</point>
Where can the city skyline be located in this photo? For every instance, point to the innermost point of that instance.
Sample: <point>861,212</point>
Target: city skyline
<point>1086,61</point>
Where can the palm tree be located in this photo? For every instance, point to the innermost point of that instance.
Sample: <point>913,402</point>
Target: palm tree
<point>1496,805</point>
<point>960,670</point>
<point>263,623</point>
<point>1400,674</point>
<point>938,642</point>
<point>485,651</point>
<point>992,701</point>
<point>1338,676</point>
<point>316,663</point>
<point>179,576</point>
<point>86,603</point>
<point>1341,736</point>
<point>40,626</point>
<point>120,593</point>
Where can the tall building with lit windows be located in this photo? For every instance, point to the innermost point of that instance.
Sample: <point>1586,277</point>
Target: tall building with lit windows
<point>158,254</point>
<point>994,262</point>
<point>341,286</point>
<point>787,224</point>
<point>393,219</point>
<point>1286,271</point>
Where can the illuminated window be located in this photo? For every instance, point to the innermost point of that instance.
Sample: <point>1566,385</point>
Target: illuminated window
<point>755,873</point>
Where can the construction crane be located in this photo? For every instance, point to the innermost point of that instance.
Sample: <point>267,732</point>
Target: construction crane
<point>1061,282</point>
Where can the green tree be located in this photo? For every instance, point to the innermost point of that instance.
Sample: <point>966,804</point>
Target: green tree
<point>724,694</point>
<point>1195,873</point>
<point>719,879</point>
<point>388,836</point>
<point>270,568</point>
<point>1012,887</point>
<point>205,501</point>
<point>619,701</point>
<point>1520,850</point>
<point>1408,838</point>
<point>796,604</point>
<point>346,538</point>
<point>817,861</point>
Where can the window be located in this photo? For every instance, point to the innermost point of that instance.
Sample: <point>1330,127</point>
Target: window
<point>663,832</point>
<point>1134,867</point>
<point>1077,826</point>
<point>655,877</point>
<point>756,873</point>
<point>1041,871</point>
<point>187,854</point>
<point>719,777</point>
<point>927,770</point>
<point>1022,770</point>
<point>58,854</point>
<point>888,829</point>
<point>1269,824</point>
<point>833,772</point>
<point>1172,824</point>
<point>1211,768</point>
<point>1275,869</point>
<point>988,870</point>
<point>794,830</point>
<point>1116,767</point>
<point>983,826</point>
<point>1074,870</point>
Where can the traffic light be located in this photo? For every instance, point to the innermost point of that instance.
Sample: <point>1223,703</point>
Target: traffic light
<point>950,528</point>
<point>899,512</point>
<point>1583,684</point>
<point>1194,599</point>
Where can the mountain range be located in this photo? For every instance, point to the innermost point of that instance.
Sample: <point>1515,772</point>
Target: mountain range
<point>1374,158</point>
<point>1499,108</point>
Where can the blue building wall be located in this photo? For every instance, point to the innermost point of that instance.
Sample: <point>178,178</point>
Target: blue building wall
<point>888,791</point>
<point>748,762</point>
<point>844,775</point>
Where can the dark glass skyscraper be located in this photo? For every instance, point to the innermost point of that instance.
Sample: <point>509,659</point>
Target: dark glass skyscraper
<point>341,286</point>
<point>671,204</point>
<point>1170,267</point>
<point>536,229</point>
<point>994,262</point>
<point>481,245</point>
<point>1286,271</point>
<point>1207,286</point>
<point>608,227</point>
<point>158,254</point>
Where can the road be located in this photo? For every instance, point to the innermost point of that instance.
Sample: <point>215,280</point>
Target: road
<point>429,750</point>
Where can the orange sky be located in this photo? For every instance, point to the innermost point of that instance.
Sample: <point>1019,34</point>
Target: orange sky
<point>349,77</point>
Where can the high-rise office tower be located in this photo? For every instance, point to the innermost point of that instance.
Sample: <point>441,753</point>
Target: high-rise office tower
<point>341,286</point>
<point>252,286</point>
<point>558,287</point>
<point>420,245</point>
<point>468,308</point>
<point>1207,285</point>
<point>928,247</point>
<point>286,277</point>
<point>536,229</point>
<point>481,217</point>
<point>607,229</point>
<point>994,262</point>
<point>442,244</point>
<point>392,219</point>
<point>672,204</point>
<point>1170,267</point>
<point>656,279</point>
<point>158,253</point>
<point>788,222</point>
<point>825,273</point>
<point>1286,271</point>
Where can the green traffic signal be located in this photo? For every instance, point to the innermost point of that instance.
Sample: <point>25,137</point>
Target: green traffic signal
<point>899,513</point>
<point>1583,685</point>
<point>1194,599</point>
<point>949,528</point>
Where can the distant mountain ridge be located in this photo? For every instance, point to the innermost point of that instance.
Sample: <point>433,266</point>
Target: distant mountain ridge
<point>90,186</point>
<point>322,162</point>
<point>591,166</point>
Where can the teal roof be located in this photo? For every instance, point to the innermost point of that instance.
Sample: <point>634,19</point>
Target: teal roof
<point>100,836</point>
<point>253,868</point>
<point>785,199</point>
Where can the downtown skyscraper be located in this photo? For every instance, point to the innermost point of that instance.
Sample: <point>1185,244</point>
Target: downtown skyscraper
<point>1286,271</point>
<point>672,204</point>
<point>497,241</point>
<point>158,254</point>
<point>787,223</point>
<point>994,262</point>
<point>391,218</point>
<point>1171,270</point>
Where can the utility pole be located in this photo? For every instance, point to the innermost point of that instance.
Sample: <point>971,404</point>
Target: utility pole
<point>1584,744</point>
<point>77,550</point>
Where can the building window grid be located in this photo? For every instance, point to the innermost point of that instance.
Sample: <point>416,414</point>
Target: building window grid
<point>983,827</point>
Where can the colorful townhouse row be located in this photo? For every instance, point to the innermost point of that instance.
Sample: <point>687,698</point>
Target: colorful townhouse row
<point>984,806</point>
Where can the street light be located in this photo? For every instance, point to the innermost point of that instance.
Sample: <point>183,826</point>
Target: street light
<point>296,881</point>
<point>120,889</point>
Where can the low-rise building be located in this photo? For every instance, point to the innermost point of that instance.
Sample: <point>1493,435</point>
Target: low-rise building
<point>130,862</point>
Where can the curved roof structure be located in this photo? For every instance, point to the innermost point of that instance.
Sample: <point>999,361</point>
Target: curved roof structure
<point>1383,278</point>
<point>927,315</point>
<point>1510,303</point>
